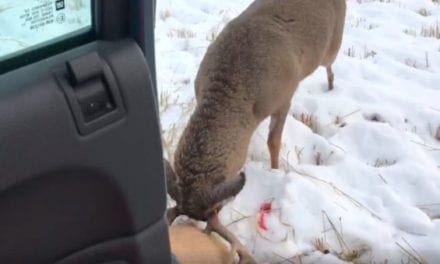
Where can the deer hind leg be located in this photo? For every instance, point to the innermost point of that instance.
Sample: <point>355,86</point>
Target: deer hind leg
<point>215,225</point>
<point>277,121</point>
<point>330,77</point>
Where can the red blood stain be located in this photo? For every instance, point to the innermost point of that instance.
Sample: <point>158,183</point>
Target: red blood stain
<point>265,209</point>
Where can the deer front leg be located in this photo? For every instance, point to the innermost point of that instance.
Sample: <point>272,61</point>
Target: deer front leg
<point>215,225</point>
<point>277,121</point>
<point>330,77</point>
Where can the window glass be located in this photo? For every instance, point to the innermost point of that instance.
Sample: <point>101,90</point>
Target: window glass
<point>29,24</point>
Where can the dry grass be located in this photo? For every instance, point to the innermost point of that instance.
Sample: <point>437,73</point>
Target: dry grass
<point>291,260</point>
<point>430,210</point>
<point>427,63</point>
<point>299,154</point>
<point>166,101</point>
<point>359,21</point>
<point>372,26</point>
<point>369,53</point>
<point>382,262</point>
<point>424,12</point>
<point>432,31</point>
<point>164,14</point>
<point>351,256</point>
<point>350,52</point>
<point>310,121</point>
<point>341,120</point>
<point>318,159</point>
<point>384,163</point>
<point>365,54</point>
<point>213,33</point>
<point>321,245</point>
<point>169,140</point>
<point>413,256</point>
<point>339,235</point>
<point>375,117</point>
<point>412,63</point>
<point>428,147</point>
<point>410,32</point>
<point>382,178</point>
<point>332,187</point>
<point>346,253</point>
<point>170,135</point>
<point>182,33</point>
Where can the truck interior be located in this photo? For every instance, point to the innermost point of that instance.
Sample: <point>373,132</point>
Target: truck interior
<point>81,158</point>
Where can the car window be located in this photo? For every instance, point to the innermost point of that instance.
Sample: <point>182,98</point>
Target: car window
<point>26,25</point>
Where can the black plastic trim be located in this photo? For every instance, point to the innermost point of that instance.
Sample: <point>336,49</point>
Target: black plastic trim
<point>85,126</point>
<point>39,138</point>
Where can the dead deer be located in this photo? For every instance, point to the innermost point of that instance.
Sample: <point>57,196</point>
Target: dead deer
<point>203,248</point>
<point>250,72</point>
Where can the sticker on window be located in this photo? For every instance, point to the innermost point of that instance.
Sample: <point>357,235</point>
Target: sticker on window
<point>29,24</point>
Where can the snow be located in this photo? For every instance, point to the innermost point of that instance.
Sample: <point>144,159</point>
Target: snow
<point>364,174</point>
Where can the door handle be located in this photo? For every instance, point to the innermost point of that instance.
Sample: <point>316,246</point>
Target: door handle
<point>92,93</point>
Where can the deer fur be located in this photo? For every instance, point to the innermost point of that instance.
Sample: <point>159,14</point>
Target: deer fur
<point>250,72</point>
<point>191,246</point>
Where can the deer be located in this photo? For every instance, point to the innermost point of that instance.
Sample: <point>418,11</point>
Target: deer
<point>250,72</point>
<point>204,248</point>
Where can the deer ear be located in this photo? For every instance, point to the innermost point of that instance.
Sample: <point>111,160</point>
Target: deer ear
<point>227,189</point>
<point>171,181</point>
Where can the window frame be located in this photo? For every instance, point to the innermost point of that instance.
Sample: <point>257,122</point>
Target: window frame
<point>43,50</point>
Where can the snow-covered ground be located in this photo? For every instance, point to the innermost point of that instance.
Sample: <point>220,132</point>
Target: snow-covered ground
<point>361,164</point>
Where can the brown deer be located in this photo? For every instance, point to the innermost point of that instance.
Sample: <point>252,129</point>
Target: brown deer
<point>191,246</point>
<point>250,72</point>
